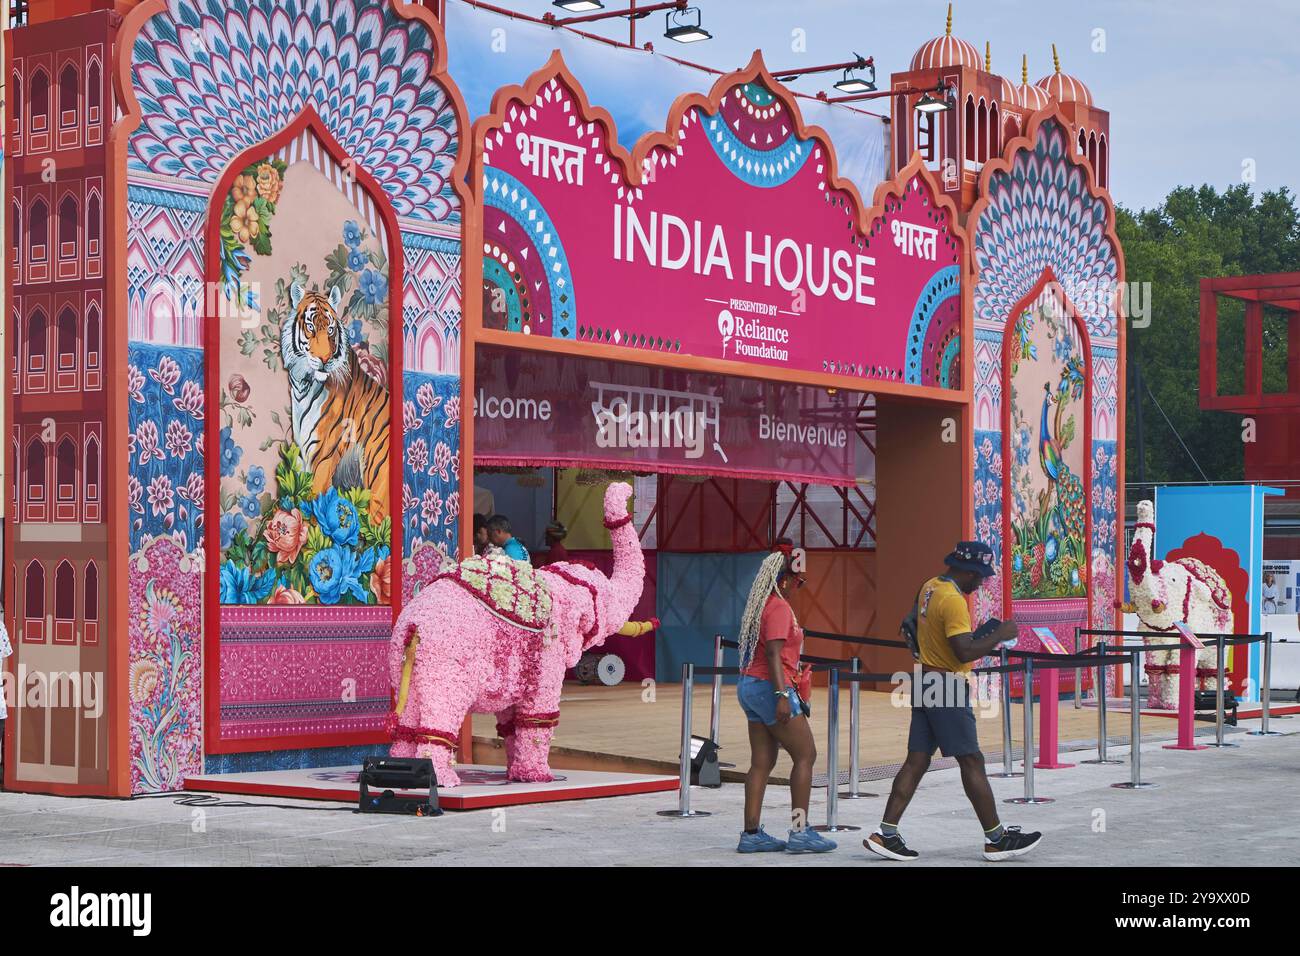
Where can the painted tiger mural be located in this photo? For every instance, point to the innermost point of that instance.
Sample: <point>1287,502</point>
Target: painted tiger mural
<point>340,414</point>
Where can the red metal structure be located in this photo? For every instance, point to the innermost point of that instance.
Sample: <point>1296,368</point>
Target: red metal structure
<point>1274,455</point>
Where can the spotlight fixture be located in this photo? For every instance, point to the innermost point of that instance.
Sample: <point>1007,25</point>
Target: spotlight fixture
<point>929,104</point>
<point>579,6</point>
<point>855,84</point>
<point>685,32</point>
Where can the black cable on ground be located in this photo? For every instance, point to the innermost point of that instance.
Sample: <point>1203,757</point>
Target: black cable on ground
<point>206,800</point>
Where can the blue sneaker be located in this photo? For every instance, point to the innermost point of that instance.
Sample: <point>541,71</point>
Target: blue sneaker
<point>760,842</point>
<point>808,841</point>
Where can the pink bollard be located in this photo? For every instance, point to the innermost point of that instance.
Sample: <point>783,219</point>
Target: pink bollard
<point>1186,700</point>
<point>1049,694</point>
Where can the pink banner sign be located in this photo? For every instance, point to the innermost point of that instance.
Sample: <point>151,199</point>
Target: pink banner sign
<point>563,411</point>
<point>735,242</point>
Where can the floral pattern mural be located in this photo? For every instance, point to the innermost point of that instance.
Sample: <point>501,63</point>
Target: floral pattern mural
<point>430,470</point>
<point>988,518</point>
<point>304,411</point>
<point>1049,553</point>
<point>164,679</point>
<point>165,421</point>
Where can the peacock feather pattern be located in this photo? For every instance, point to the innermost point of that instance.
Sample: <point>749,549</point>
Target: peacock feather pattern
<point>214,77</point>
<point>1041,215</point>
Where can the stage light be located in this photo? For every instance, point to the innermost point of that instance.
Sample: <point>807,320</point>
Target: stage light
<point>579,6</point>
<point>853,84</point>
<point>705,770</point>
<point>685,32</point>
<point>398,773</point>
<point>928,104</point>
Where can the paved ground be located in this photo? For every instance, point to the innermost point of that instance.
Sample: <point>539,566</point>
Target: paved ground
<point>1213,807</point>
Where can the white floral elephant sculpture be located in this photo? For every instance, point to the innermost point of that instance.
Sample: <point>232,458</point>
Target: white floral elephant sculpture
<point>1164,592</point>
<point>494,635</point>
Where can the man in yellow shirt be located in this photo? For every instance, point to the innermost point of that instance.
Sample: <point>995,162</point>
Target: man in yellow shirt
<point>942,717</point>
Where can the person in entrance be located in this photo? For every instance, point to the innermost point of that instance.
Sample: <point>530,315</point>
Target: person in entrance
<point>942,717</point>
<point>770,676</point>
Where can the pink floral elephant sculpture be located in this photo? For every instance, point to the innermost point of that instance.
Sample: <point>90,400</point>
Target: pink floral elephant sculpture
<point>1163,592</point>
<point>493,635</point>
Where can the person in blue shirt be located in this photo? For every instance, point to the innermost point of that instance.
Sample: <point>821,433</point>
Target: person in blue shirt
<point>498,527</point>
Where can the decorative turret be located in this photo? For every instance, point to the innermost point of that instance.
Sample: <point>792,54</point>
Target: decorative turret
<point>1063,87</point>
<point>1028,96</point>
<point>946,50</point>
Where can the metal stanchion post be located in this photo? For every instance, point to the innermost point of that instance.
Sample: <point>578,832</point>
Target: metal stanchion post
<point>1078,674</point>
<point>1134,781</point>
<point>855,729</point>
<point>715,716</point>
<point>1265,689</point>
<point>1029,740</point>
<point>1006,720</point>
<point>832,824</point>
<point>1100,687</point>
<point>1218,696</point>
<point>684,787</point>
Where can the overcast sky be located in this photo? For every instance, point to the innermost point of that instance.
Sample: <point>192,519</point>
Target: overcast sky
<point>1194,88</point>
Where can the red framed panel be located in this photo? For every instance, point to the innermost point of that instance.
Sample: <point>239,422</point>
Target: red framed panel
<point>92,465</point>
<point>90,604</point>
<point>37,328</point>
<point>95,93</point>
<point>40,103</point>
<point>93,341</point>
<point>69,68</point>
<point>35,592</point>
<point>15,345</point>
<point>35,466</point>
<point>17,104</point>
<point>39,204</point>
<point>66,341</point>
<point>68,228</point>
<point>308,119</point>
<point>67,476</point>
<point>65,603</point>
<point>16,234</point>
<point>93,219</point>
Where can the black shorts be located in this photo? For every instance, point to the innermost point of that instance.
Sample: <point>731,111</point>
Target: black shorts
<point>942,717</point>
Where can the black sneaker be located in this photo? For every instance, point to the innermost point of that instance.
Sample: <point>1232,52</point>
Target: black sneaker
<point>1013,844</point>
<point>890,847</point>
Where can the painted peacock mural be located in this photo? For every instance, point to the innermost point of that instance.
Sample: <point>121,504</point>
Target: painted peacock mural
<point>1049,547</point>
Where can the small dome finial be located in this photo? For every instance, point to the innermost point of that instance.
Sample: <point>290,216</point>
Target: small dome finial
<point>988,57</point>
<point>1024,68</point>
<point>948,30</point>
<point>1056,60</point>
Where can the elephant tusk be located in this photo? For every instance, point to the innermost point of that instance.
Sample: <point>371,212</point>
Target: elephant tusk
<point>638,628</point>
<point>408,665</point>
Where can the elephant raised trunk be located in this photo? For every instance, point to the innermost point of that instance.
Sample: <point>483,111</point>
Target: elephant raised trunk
<point>628,576</point>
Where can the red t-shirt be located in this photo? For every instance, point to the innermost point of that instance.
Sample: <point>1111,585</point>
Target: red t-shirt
<point>777,624</point>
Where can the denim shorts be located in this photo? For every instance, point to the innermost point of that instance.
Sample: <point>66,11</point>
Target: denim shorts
<point>758,700</point>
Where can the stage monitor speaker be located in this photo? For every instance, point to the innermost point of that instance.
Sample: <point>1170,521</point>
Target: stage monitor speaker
<point>398,773</point>
<point>705,771</point>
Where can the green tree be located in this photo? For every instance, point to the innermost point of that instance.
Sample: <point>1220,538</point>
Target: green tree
<point>1193,234</point>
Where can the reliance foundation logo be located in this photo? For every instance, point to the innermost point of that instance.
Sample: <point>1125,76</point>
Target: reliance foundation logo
<point>751,338</point>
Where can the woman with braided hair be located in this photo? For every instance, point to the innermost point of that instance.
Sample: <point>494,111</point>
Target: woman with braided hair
<point>770,642</point>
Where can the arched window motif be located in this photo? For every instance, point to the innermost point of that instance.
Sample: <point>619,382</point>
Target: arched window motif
<point>92,224</point>
<point>92,336</point>
<point>970,129</point>
<point>68,96</point>
<point>995,147</point>
<point>65,603</point>
<point>1103,162</point>
<point>1092,151</point>
<point>92,470</point>
<point>90,604</point>
<point>16,99</point>
<point>1083,142</point>
<point>982,133</point>
<point>35,470</point>
<point>65,466</point>
<point>68,228</point>
<point>15,247</point>
<point>38,230</point>
<point>40,101</point>
<point>36,346</point>
<point>67,339</point>
<point>1009,132</point>
<point>92,92</point>
<point>34,603</point>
